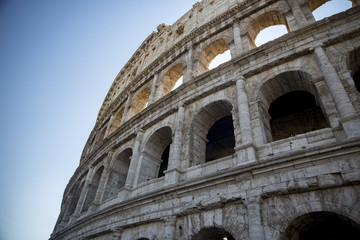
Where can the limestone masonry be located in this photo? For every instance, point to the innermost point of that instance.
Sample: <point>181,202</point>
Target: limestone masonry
<point>264,146</point>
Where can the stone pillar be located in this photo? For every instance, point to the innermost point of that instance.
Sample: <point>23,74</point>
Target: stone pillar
<point>110,123</point>
<point>188,71</point>
<point>237,40</point>
<point>245,150</point>
<point>83,193</point>
<point>131,176</point>
<point>256,229</point>
<point>154,88</point>
<point>173,172</point>
<point>338,93</point>
<point>298,14</point>
<point>127,108</point>
<point>169,227</point>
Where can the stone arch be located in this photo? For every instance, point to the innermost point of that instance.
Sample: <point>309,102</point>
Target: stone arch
<point>139,102</point>
<point>213,233</point>
<point>276,93</point>
<point>267,19</point>
<point>93,187</point>
<point>144,235</point>
<point>117,121</point>
<point>209,53</point>
<point>155,155</point>
<point>315,4</point>
<point>215,114</point>
<point>322,225</point>
<point>74,198</point>
<point>354,67</point>
<point>118,172</point>
<point>169,80</point>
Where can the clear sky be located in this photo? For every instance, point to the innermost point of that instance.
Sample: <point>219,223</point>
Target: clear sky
<point>58,59</point>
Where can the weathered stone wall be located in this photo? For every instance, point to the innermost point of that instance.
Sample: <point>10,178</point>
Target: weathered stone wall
<point>264,185</point>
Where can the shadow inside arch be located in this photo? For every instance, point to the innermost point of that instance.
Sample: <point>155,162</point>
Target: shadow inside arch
<point>321,226</point>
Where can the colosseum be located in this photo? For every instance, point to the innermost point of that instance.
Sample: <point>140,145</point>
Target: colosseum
<point>264,146</point>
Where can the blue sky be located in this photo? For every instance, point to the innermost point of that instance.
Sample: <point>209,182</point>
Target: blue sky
<point>57,62</point>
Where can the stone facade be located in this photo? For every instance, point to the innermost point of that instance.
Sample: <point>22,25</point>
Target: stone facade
<point>265,146</point>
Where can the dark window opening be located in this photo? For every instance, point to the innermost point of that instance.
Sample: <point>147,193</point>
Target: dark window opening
<point>322,225</point>
<point>213,234</point>
<point>355,67</point>
<point>165,161</point>
<point>295,113</point>
<point>221,139</point>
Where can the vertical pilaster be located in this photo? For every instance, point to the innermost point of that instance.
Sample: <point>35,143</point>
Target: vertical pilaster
<point>130,179</point>
<point>244,148</point>
<point>127,108</point>
<point>297,13</point>
<point>110,123</point>
<point>154,89</point>
<point>169,227</point>
<point>338,93</point>
<point>238,48</point>
<point>256,229</point>
<point>173,172</point>
<point>188,73</point>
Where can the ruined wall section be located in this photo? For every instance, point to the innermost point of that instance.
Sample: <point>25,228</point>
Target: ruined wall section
<point>160,43</point>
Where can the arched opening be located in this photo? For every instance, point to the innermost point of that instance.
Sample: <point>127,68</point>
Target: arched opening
<point>102,134</point>
<point>210,52</point>
<point>270,33</point>
<point>221,140</point>
<point>288,105</point>
<point>266,20</point>
<point>354,66</point>
<point>171,80</point>
<point>326,8</point>
<point>90,197</point>
<point>212,133</point>
<point>220,59</point>
<point>118,173</point>
<point>117,119</point>
<point>140,102</point>
<point>322,225</point>
<point>155,156</point>
<point>75,195</point>
<point>295,113</point>
<point>213,234</point>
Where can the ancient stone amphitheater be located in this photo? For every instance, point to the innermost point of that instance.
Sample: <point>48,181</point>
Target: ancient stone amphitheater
<point>264,146</point>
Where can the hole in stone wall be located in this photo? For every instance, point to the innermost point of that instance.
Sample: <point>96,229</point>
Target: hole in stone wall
<point>266,20</point>
<point>295,113</point>
<point>171,80</point>
<point>221,140</point>
<point>220,59</point>
<point>154,158</point>
<point>118,173</point>
<point>326,8</point>
<point>321,226</point>
<point>213,234</point>
<point>165,161</point>
<point>90,197</point>
<point>210,52</point>
<point>355,67</point>
<point>117,119</point>
<point>269,34</point>
<point>140,102</point>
